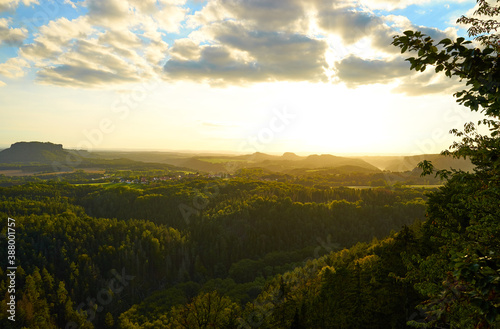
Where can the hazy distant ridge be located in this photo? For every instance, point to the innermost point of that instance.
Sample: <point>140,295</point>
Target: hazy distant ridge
<point>406,163</point>
<point>48,153</point>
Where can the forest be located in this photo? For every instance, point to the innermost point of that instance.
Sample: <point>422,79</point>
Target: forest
<point>179,240</point>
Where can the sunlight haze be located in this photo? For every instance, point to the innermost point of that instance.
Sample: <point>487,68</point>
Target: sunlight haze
<point>225,75</point>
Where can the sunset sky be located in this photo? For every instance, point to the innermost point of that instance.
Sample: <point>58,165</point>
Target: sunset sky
<point>305,76</point>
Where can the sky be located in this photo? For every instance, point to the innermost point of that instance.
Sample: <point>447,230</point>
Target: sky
<point>272,76</point>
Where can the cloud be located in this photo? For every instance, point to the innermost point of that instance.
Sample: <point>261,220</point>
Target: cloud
<point>350,25</point>
<point>122,42</point>
<point>244,41</point>
<point>91,64</point>
<point>217,66</point>
<point>71,3</point>
<point>11,36</point>
<point>355,71</point>
<point>401,4</point>
<point>230,42</point>
<point>238,55</point>
<point>428,83</point>
<point>2,84</point>
<point>382,38</point>
<point>116,14</point>
<point>383,34</point>
<point>81,76</point>
<point>155,53</point>
<point>55,38</point>
<point>267,15</point>
<point>277,15</point>
<point>169,16</point>
<point>273,40</point>
<point>6,5</point>
<point>185,49</point>
<point>115,43</point>
<point>14,68</point>
<point>108,12</point>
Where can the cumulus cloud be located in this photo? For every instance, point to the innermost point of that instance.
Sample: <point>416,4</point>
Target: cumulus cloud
<point>74,53</point>
<point>267,15</point>
<point>391,66</point>
<point>13,4</point>
<point>401,4</point>
<point>90,64</point>
<point>277,15</point>
<point>239,55</point>
<point>54,37</point>
<point>382,38</point>
<point>259,41</point>
<point>355,71</point>
<point>185,49</point>
<point>115,42</point>
<point>428,83</point>
<point>167,14</point>
<point>71,3</point>
<point>349,24</point>
<point>402,23</point>
<point>11,36</point>
<point>229,42</point>
<point>170,15</point>
<point>108,12</point>
<point>14,68</point>
<point>155,53</point>
<point>264,41</point>
<point>122,42</point>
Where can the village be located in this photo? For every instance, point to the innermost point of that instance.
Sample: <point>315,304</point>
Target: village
<point>148,179</point>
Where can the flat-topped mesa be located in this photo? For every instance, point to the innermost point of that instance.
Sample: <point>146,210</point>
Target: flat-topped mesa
<point>48,146</point>
<point>33,152</point>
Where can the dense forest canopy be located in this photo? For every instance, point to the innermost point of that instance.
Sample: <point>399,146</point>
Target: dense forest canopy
<point>180,239</point>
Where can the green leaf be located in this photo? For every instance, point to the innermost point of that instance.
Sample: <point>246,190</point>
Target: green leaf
<point>445,42</point>
<point>488,51</point>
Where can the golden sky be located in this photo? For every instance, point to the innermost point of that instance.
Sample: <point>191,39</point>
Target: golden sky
<point>306,76</point>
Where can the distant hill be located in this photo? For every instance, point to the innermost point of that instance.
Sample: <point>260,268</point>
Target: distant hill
<point>288,161</point>
<point>28,153</point>
<point>33,152</point>
<point>290,156</point>
<point>408,163</point>
<point>231,163</point>
<point>256,157</point>
<point>327,160</point>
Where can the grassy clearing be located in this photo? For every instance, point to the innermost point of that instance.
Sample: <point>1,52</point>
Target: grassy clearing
<point>424,186</point>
